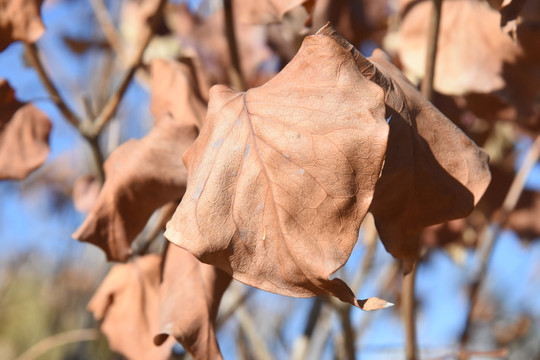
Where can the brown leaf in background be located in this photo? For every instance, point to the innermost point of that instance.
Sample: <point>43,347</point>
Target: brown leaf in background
<point>206,36</point>
<point>471,49</point>
<point>355,20</point>
<point>477,60</point>
<point>190,294</point>
<point>440,173</point>
<point>178,89</point>
<point>20,21</point>
<point>127,305</point>
<point>281,176</point>
<point>142,175</point>
<point>24,136</point>
<point>266,11</point>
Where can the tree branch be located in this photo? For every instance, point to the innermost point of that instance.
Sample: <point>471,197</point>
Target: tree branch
<point>431,52</point>
<point>112,105</point>
<point>499,221</point>
<point>70,116</point>
<point>237,80</point>
<point>35,61</point>
<point>111,34</point>
<point>113,38</point>
<point>408,313</point>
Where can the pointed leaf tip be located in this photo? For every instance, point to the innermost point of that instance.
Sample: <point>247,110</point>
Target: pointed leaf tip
<point>374,303</point>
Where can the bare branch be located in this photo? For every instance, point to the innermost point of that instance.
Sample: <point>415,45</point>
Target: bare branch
<point>35,61</point>
<point>237,79</point>
<point>111,34</point>
<point>491,233</point>
<point>431,53</point>
<point>113,38</point>
<point>250,330</point>
<point>112,105</point>
<point>408,313</point>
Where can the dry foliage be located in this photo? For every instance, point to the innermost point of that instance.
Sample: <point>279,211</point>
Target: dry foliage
<point>24,136</point>
<point>20,20</point>
<point>275,178</point>
<point>142,175</point>
<point>127,305</point>
<point>190,294</point>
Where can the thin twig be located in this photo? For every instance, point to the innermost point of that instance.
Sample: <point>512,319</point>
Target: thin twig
<point>114,39</point>
<point>250,330</point>
<point>33,54</point>
<point>107,26</point>
<point>57,340</point>
<point>300,346</point>
<point>98,159</point>
<point>408,301</point>
<point>237,79</point>
<point>344,310</point>
<point>431,52</point>
<point>35,61</point>
<point>499,221</point>
<point>154,227</point>
<point>324,328</point>
<point>112,105</point>
<point>408,313</point>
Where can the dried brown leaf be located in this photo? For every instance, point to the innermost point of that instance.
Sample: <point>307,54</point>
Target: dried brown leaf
<point>177,88</point>
<point>20,21</point>
<point>142,175</point>
<point>127,305</point>
<point>190,295</point>
<point>24,136</point>
<point>441,173</point>
<point>282,175</point>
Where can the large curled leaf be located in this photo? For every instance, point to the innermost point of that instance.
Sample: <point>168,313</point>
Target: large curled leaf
<point>20,20</point>
<point>127,305</point>
<point>281,176</point>
<point>190,295</point>
<point>24,136</point>
<point>432,173</point>
<point>142,175</point>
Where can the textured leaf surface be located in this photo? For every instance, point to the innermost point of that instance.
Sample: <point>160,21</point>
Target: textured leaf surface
<point>441,174</point>
<point>190,295</point>
<point>24,136</point>
<point>20,20</point>
<point>282,175</point>
<point>127,304</point>
<point>142,175</point>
